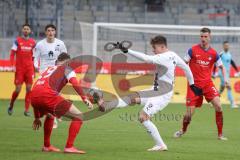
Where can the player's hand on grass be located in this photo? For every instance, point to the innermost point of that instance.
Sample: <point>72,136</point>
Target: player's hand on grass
<point>36,124</point>
<point>196,90</point>
<point>88,103</point>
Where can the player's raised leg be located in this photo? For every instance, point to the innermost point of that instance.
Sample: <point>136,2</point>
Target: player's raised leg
<point>14,97</point>
<point>219,117</point>
<point>117,103</point>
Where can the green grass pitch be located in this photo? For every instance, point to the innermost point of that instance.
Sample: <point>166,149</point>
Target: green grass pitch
<point>118,135</point>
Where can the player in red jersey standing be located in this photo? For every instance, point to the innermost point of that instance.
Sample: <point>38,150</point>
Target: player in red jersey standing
<point>23,49</point>
<point>201,58</point>
<point>46,100</point>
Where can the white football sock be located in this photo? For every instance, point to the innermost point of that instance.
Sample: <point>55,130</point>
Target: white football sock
<point>153,131</point>
<point>118,103</point>
<point>123,102</point>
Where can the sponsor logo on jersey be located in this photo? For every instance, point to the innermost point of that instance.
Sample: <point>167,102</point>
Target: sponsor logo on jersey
<point>201,62</point>
<point>26,48</point>
<point>50,54</point>
<point>57,48</point>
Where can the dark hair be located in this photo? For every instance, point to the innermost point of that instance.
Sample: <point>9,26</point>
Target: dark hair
<point>159,40</point>
<point>26,25</point>
<point>50,26</point>
<point>63,56</point>
<point>205,30</point>
<point>225,42</point>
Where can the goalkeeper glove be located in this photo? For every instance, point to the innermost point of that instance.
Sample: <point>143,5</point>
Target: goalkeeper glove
<point>196,90</point>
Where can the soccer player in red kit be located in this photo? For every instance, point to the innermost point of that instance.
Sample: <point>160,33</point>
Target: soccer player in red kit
<point>201,58</point>
<point>46,100</point>
<point>23,49</point>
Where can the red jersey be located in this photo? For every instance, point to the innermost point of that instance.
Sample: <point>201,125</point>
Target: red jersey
<point>24,52</point>
<point>201,62</point>
<point>53,79</point>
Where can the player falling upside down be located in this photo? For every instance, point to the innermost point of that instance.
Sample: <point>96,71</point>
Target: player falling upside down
<point>23,49</point>
<point>46,100</point>
<point>201,58</point>
<point>227,60</point>
<point>158,97</point>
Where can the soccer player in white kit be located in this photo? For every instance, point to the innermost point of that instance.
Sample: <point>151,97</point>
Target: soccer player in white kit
<point>47,50</point>
<point>158,97</point>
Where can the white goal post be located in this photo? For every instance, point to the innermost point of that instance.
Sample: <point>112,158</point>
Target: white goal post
<point>180,37</point>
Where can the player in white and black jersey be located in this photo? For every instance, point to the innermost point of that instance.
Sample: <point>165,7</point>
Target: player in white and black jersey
<point>158,97</point>
<point>48,49</point>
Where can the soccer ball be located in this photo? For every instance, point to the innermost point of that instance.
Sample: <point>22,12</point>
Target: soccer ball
<point>94,94</point>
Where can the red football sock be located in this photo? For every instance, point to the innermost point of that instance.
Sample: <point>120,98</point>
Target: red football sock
<point>27,101</point>
<point>48,126</point>
<point>186,122</point>
<point>14,97</point>
<point>219,122</point>
<point>73,131</point>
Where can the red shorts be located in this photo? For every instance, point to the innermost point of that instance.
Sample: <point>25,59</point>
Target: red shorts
<point>50,103</point>
<point>25,75</point>
<point>209,92</point>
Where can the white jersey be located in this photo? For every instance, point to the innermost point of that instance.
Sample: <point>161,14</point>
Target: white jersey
<point>165,65</point>
<point>156,100</point>
<point>45,54</point>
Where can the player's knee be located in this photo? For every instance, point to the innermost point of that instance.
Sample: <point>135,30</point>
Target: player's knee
<point>218,108</point>
<point>135,99</point>
<point>77,120</point>
<point>18,89</point>
<point>143,117</point>
<point>50,117</point>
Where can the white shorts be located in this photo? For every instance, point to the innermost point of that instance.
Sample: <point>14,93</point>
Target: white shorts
<point>154,104</point>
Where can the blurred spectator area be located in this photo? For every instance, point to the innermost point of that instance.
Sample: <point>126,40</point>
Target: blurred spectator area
<point>69,12</point>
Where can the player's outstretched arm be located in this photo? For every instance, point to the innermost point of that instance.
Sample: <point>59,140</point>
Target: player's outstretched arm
<point>36,56</point>
<point>180,63</point>
<point>234,65</point>
<point>223,70</point>
<point>37,122</point>
<point>80,92</point>
<point>12,55</point>
<point>142,56</point>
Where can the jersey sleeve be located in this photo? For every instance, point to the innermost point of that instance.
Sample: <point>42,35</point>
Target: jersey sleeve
<point>63,48</point>
<point>142,56</point>
<point>15,45</point>
<point>218,60</point>
<point>186,69</point>
<point>69,73</point>
<point>36,55</point>
<point>188,55</point>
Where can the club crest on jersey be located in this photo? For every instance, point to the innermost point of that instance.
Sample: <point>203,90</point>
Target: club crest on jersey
<point>50,54</point>
<point>57,48</point>
<point>210,58</point>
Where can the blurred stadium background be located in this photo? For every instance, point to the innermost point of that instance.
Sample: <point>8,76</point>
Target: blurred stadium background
<point>67,15</point>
